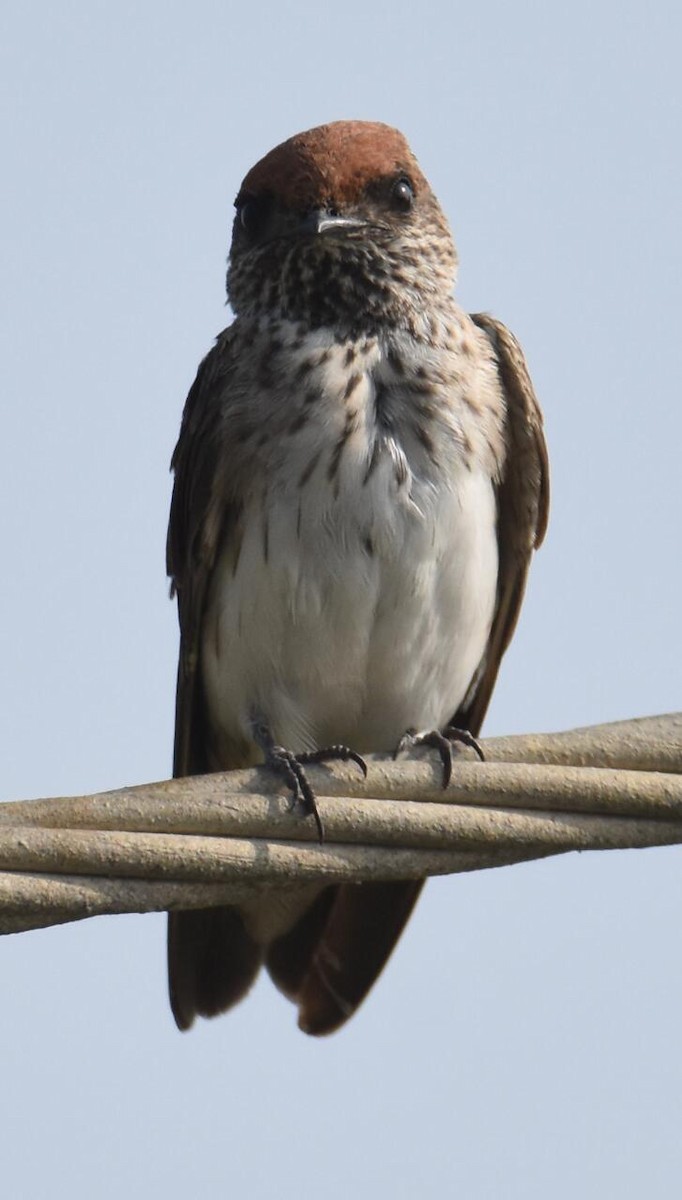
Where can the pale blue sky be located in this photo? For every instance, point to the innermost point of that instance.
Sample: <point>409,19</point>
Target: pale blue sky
<point>525,1039</point>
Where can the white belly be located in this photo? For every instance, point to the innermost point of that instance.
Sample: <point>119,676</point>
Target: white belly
<point>352,628</point>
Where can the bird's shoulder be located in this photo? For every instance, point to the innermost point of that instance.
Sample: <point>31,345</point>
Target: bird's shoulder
<point>524,483</point>
<point>196,459</point>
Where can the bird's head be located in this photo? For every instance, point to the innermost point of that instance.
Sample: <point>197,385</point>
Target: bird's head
<point>338,227</point>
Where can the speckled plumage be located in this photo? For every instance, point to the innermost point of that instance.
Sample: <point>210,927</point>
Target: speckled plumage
<point>360,481</point>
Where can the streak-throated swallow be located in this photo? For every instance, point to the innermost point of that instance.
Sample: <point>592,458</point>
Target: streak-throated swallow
<point>360,481</point>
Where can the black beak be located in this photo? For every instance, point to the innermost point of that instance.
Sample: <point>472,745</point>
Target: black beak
<point>323,221</point>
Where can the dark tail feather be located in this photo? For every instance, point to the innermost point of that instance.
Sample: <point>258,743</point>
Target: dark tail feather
<point>363,926</point>
<point>212,962</point>
<point>288,957</point>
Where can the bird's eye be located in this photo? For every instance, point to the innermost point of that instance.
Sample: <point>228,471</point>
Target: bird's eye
<point>253,213</point>
<point>402,194</point>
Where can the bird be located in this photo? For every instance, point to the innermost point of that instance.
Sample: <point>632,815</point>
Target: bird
<point>360,481</point>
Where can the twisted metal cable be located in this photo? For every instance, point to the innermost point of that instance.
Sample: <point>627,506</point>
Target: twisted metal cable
<point>214,839</point>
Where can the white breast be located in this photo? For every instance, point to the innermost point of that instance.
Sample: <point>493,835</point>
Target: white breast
<point>356,609</point>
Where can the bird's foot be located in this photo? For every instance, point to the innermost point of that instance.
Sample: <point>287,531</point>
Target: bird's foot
<point>442,742</point>
<point>291,768</point>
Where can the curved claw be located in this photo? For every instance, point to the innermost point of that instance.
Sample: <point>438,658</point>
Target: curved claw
<point>439,742</point>
<point>442,742</point>
<point>333,754</point>
<point>453,734</point>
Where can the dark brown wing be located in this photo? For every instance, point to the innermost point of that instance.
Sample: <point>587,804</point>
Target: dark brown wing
<point>523,511</point>
<point>198,519</point>
<point>365,922</point>
<point>211,960</point>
